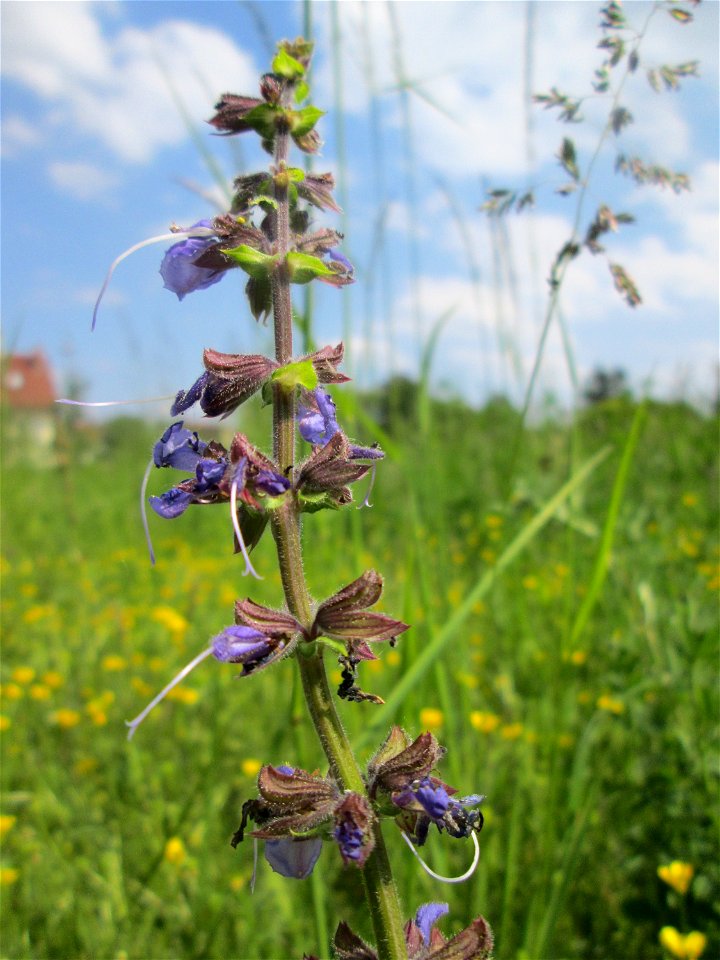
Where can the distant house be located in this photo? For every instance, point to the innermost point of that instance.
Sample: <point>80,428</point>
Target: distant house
<point>27,392</point>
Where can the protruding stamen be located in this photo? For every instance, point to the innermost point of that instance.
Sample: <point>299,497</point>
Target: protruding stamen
<point>238,532</point>
<point>366,500</point>
<point>134,724</point>
<point>253,878</point>
<point>143,508</point>
<point>461,879</point>
<point>161,238</point>
<point>113,403</point>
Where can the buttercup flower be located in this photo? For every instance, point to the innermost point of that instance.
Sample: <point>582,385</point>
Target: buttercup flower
<point>677,875</point>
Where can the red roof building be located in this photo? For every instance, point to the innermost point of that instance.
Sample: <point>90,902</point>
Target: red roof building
<point>27,382</point>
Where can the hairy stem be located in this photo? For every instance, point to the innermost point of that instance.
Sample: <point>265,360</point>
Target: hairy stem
<point>381,894</point>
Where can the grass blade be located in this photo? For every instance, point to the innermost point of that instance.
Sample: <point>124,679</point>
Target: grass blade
<point>425,660</point>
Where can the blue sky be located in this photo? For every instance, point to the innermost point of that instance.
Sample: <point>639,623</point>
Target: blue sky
<point>103,106</point>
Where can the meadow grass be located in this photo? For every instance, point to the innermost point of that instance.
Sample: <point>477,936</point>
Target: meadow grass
<point>563,647</point>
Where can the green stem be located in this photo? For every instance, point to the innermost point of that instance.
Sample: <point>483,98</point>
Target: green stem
<point>380,890</point>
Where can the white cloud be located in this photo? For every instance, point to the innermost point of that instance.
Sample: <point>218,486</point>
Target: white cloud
<point>473,59</point>
<point>84,181</point>
<point>17,134</point>
<point>120,87</point>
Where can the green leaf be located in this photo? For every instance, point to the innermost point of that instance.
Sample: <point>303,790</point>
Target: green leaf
<point>262,119</point>
<point>304,268</point>
<point>301,91</point>
<point>286,66</point>
<point>295,174</point>
<point>302,121</point>
<point>264,198</point>
<point>252,261</point>
<point>299,374</point>
<point>312,502</point>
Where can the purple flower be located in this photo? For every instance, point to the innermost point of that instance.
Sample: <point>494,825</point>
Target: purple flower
<point>186,398</point>
<point>172,503</point>
<point>318,424</point>
<point>427,916</point>
<point>316,420</point>
<point>178,270</point>
<point>238,644</point>
<point>178,448</point>
<point>208,474</point>
<point>349,837</point>
<point>272,483</point>
<point>335,257</point>
<point>293,858</point>
<point>433,797</point>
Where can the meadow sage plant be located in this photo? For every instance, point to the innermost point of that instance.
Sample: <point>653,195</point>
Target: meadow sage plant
<point>269,234</point>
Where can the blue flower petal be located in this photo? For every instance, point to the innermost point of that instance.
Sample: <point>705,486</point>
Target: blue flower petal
<point>293,858</point>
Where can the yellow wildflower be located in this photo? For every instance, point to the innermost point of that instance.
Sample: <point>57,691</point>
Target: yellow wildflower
<point>690,499</point>
<point>606,702</point>
<point>84,765</point>
<point>530,582</point>
<point>23,675</point>
<point>140,686</point>
<point>695,943</point>
<point>237,882</point>
<point>4,723</point>
<point>29,590</point>
<point>468,680</point>
<point>97,714</point>
<point>175,851</point>
<point>12,691</point>
<point>8,876</point>
<point>7,822</point>
<point>455,594</point>
<point>183,695</point>
<point>113,662</point>
<point>431,718</point>
<point>170,618</point>
<point>565,741</point>
<point>227,594</point>
<point>688,947</point>
<point>393,658</point>
<point>53,679</point>
<point>250,766</point>
<point>578,657</point>
<point>484,722</point>
<point>38,691</point>
<point>511,731</point>
<point>677,875</point>
<point>38,612</point>
<point>65,718</point>
<point>493,521</point>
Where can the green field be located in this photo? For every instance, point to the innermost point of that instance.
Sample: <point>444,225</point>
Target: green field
<point>566,655</point>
